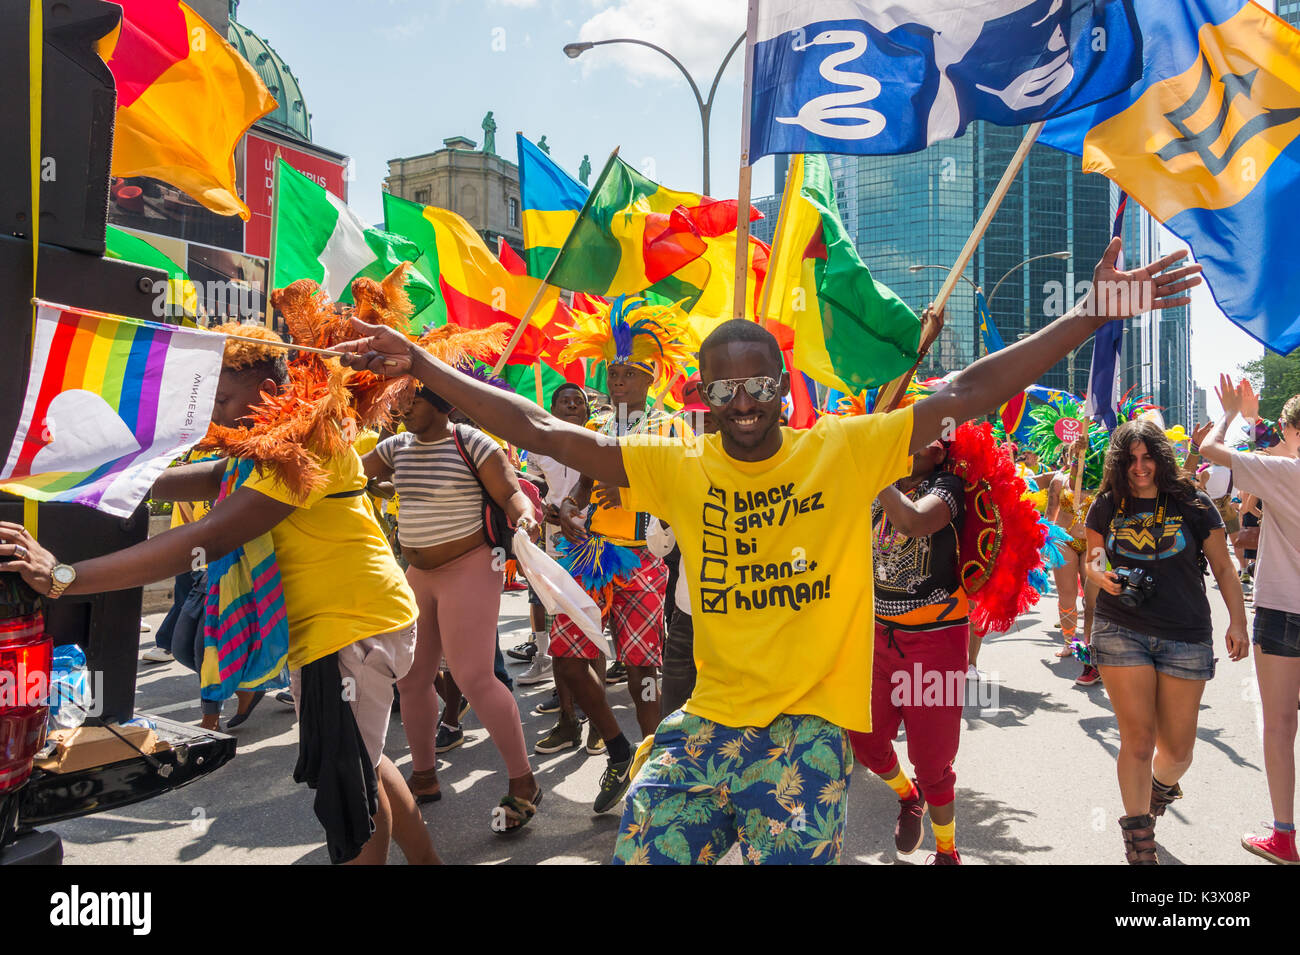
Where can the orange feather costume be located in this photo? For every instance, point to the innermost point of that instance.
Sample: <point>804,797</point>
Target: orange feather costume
<point>324,406</point>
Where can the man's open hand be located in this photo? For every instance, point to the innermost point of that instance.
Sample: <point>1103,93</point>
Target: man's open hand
<point>1119,294</point>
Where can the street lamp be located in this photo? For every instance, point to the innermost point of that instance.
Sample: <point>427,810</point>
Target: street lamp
<point>1048,255</point>
<point>575,50</point>
<point>988,302</point>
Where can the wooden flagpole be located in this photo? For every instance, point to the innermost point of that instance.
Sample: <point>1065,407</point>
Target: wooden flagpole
<point>746,170</point>
<point>893,392</point>
<point>537,380</point>
<point>528,313</point>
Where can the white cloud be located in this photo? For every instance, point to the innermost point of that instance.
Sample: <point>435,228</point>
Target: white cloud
<point>697,32</point>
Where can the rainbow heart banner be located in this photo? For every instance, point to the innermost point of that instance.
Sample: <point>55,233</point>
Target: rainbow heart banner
<point>111,401</point>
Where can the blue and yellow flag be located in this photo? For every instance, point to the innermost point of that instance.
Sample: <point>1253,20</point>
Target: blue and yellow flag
<point>551,201</point>
<point>1209,142</point>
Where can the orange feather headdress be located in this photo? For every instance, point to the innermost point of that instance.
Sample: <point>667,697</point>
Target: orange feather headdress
<point>323,407</point>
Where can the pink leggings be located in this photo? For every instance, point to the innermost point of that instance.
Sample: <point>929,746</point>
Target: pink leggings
<point>458,605</point>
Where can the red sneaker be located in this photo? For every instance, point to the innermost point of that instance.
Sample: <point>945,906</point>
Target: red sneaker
<point>908,832</point>
<point>1088,677</point>
<point>1278,846</point>
<point>944,858</point>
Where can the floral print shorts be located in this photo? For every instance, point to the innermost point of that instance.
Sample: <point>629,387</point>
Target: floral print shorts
<point>779,790</point>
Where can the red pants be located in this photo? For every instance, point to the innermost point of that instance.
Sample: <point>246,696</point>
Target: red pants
<point>919,680</point>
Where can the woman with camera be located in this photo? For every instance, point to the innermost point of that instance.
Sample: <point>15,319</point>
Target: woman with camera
<point>1152,635</point>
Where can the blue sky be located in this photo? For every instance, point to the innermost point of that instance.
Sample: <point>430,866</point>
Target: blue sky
<point>390,78</point>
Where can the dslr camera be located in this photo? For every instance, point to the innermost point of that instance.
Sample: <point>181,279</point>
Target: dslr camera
<point>1137,585</point>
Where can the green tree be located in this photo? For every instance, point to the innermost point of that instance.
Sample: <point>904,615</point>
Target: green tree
<point>1276,378</point>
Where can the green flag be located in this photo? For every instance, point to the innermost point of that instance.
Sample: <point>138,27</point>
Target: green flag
<point>318,237</point>
<point>850,331</point>
<point>182,299</point>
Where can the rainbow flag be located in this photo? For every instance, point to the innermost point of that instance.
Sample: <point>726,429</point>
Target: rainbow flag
<point>95,429</point>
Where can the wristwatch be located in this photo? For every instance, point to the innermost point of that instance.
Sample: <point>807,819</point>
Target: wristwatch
<point>63,575</point>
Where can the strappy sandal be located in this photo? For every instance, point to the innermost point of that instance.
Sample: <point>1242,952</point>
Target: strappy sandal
<point>1162,796</point>
<point>1139,839</point>
<point>424,785</point>
<point>518,810</point>
<point>1068,635</point>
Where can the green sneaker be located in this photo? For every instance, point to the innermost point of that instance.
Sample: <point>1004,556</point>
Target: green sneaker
<point>563,735</point>
<point>613,785</point>
<point>595,744</point>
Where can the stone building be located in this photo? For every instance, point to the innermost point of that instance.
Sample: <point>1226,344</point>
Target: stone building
<point>478,185</point>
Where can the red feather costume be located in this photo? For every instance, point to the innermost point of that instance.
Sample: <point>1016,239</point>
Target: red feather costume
<point>1001,537</point>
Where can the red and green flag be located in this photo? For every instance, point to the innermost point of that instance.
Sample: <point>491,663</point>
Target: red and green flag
<point>634,235</point>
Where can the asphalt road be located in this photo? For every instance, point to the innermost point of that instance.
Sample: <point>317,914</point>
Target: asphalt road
<point>1035,777</point>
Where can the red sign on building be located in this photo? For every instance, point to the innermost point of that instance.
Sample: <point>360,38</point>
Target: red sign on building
<point>259,183</point>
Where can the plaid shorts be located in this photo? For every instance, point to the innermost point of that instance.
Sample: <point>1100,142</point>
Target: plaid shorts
<point>636,618</point>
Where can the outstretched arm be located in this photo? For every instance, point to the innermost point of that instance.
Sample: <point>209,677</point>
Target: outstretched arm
<point>233,521</point>
<point>518,420</point>
<point>190,482</point>
<point>1236,399</point>
<point>993,379</point>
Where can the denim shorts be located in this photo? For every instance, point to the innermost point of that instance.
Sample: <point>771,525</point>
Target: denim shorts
<point>1118,646</point>
<point>1277,632</point>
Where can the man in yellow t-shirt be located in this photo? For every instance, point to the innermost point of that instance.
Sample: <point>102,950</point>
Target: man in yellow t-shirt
<point>774,529</point>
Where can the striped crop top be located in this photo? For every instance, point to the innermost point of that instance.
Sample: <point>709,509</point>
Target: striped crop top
<point>441,500</point>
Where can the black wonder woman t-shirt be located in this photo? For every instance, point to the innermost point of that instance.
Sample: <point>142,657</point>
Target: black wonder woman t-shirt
<point>1162,535</point>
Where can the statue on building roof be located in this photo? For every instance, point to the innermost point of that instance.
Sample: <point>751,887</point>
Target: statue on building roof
<point>584,170</point>
<point>489,134</point>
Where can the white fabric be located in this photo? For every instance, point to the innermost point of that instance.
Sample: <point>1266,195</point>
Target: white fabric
<point>560,482</point>
<point>346,252</point>
<point>559,592</point>
<point>660,541</point>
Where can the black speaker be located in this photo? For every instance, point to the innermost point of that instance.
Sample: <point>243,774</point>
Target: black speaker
<point>78,106</point>
<point>77,118</point>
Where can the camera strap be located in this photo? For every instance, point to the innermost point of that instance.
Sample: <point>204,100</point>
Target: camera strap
<point>1161,512</point>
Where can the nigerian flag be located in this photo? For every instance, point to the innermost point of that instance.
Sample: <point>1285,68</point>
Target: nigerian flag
<point>318,237</point>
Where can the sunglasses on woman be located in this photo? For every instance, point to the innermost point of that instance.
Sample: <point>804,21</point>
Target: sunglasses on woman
<point>761,388</point>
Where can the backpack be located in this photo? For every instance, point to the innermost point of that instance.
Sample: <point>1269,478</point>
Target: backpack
<point>496,526</point>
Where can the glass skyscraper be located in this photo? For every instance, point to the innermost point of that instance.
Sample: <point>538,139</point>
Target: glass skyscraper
<point>918,209</point>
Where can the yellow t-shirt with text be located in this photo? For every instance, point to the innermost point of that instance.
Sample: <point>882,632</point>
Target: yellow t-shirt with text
<point>341,581</point>
<point>777,554</point>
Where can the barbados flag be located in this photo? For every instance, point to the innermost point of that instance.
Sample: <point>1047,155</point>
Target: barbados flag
<point>1209,142</point>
